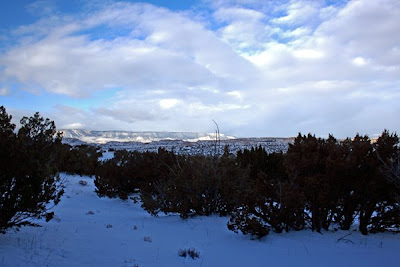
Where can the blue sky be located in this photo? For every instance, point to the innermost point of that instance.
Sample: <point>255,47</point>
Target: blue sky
<point>259,68</point>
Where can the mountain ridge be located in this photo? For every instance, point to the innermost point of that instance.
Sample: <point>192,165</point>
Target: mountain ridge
<point>102,137</point>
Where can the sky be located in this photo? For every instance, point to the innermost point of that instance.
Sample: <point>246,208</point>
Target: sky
<point>258,68</point>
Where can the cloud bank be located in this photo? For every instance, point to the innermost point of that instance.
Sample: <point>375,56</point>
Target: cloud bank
<point>259,68</point>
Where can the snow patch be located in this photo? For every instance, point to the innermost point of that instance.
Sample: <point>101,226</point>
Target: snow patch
<point>80,235</point>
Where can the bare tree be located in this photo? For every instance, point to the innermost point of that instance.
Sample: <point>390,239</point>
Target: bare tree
<point>217,144</point>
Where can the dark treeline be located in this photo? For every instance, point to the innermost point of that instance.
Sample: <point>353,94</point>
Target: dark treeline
<point>188,185</point>
<point>317,183</point>
<point>320,182</point>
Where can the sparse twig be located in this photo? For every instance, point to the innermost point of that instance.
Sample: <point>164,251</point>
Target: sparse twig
<point>217,139</point>
<point>343,238</point>
<point>306,248</point>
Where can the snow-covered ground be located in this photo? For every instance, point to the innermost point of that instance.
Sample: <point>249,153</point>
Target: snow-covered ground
<point>179,142</point>
<point>93,231</point>
<point>106,155</point>
<point>201,147</point>
<point>102,137</point>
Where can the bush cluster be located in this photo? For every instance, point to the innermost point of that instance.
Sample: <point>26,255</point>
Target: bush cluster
<point>169,183</point>
<point>128,172</point>
<point>28,170</point>
<point>81,160</point>
<point>317,183</point>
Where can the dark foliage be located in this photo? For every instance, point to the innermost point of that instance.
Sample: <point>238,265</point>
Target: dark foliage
<point>320,182</point>
<point>128,171</point>
<point>317,183</point>
<point>188,185</point>
<point>28,170</point>
<point>196,185</point>
<point>81,160</point>
<point>271,200</point>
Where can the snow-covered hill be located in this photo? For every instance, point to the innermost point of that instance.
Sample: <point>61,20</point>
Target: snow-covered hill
<point>179,142</point>
<point>102,137</point>
<point>93,231</point>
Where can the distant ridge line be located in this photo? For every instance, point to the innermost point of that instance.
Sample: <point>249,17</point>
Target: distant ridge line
<point>102,137</point>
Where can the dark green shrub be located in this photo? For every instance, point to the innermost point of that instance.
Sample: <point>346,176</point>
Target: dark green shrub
<point>28,171</point>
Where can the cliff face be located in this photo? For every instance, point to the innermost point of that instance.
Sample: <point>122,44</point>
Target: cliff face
<point>102,137</point>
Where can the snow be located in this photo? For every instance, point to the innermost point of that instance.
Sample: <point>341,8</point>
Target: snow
<point>202,147</point>
<point>179,142</point>
<point>102,137</point>
<point>93,231</point>
<point>106,155</point>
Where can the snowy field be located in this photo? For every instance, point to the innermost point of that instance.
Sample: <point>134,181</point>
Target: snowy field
<point>93,231</point>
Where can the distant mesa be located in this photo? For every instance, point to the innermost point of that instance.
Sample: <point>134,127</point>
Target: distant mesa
<point>103,137</point>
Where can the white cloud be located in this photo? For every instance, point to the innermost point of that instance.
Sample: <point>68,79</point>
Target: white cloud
<point>235,94</point>
<point>76,125</point>
<point>73,64</point>
<point>41,7</point>
<point>298,32</point>
<point>359,61</point>
<point>263,68</point>
<point>235,13</point>
<point>4,91</point>
<point>299,12</point>
<point>308,54</point>
<point>168,103</point>
<point>366,28</point>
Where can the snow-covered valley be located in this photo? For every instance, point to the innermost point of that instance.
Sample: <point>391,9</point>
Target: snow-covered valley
<point>93,231</point>
<point>102,137</point>
<point>178,142</point>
